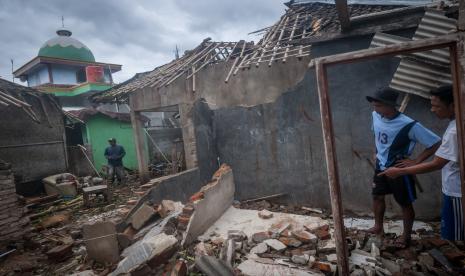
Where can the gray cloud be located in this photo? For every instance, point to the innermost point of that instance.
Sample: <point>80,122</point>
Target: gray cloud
<point>140,35</point>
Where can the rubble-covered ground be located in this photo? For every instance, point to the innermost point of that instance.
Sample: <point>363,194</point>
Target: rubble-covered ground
<point>54,244</point>
<point>250,238</point>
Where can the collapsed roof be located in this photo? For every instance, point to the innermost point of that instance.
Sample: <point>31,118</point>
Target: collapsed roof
<point>14,96</point>
<point>287,38</point>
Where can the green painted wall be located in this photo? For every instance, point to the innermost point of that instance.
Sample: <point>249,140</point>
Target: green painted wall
<point>99,128</point>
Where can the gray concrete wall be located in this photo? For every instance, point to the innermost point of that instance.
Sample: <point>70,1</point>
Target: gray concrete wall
<point>35,149</point>
<point>265,123</point>
<point>248,88</point>
<point>176,187</point>
<point>278,147</point>
<point>208,157</point>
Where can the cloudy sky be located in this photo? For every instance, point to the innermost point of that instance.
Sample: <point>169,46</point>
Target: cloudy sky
<point>140,35</point>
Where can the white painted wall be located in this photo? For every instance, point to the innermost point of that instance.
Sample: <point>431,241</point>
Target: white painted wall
<point>38,77</point>
<point>64,74</point>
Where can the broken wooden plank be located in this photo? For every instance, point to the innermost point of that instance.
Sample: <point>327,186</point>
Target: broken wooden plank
<point>265,197</point>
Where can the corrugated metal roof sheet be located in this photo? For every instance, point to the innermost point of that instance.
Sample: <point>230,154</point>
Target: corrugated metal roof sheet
<point>420,73</point>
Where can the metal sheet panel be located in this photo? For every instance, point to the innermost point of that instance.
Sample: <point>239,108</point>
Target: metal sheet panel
<point>420,73</point>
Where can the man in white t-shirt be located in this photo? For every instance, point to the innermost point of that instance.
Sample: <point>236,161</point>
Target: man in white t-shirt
<point>446,159</point>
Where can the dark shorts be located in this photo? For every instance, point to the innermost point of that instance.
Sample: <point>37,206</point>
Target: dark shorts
<point>451,218</point>
<point>402,188</point>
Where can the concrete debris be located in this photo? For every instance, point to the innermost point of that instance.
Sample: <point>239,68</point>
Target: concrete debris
<point>331,258</point>
<point>219,239</point>
<point>237,235</point>
<point>261,236</point>
<point>292,242</point>
<point>300,259</point>
<point>212,266</point>
<point>253,268</point>
<point>152,251</point>
<point>142,216</point>
<point>375,251</point>
<point>101,242</point>
<point>390,227</point>
<point>277,228</point>
<point>327,246</point>
<point>265,214</point>
<point>203,249</point>
<point>166,207</point>
<point>275,244</point>
<point>259,248</point>
<point>84,273</point>
<point>361,258</point>
<point>304,236</point>
<point>218,196</point>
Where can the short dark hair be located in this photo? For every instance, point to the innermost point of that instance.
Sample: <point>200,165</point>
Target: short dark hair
<point>444,93</point>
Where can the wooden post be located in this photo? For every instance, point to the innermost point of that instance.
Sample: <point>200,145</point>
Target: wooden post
<point>139,140</point>
<point>322,63</point>
<point>459,103</point>
<point>332,170</point>
<point>343,14</point>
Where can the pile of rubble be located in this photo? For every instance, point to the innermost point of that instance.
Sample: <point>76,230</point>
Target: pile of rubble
<point>54,243</point>
<point>12,220</point>
<point>211,234</point>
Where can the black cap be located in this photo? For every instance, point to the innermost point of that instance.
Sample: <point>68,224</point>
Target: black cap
<point>385,95</point>
<point>111,140</point>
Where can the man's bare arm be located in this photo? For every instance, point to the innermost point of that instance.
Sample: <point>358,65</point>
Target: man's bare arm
<point>420,158</point>
<point>436,164</point>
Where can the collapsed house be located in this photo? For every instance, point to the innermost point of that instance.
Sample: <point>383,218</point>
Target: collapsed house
<point>255,106</point>
<point>33,134</point>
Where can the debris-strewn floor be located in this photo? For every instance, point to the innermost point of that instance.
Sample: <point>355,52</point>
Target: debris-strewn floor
<point>249,238</point>
<point>54,245</point>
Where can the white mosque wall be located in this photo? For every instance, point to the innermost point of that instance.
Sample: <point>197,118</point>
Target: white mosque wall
<point>63,74</point>
<point>38,77</point>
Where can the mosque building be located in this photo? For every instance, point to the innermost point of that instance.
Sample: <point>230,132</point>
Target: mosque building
<point>66,67</point>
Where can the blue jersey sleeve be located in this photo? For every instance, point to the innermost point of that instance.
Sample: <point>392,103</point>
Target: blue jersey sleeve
<point>424,136</point>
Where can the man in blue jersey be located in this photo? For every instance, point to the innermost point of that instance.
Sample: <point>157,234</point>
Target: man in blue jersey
<point>446,159</point>
<point>395,137</point>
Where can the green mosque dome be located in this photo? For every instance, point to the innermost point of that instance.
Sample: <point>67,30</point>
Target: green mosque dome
<point>65,47</point>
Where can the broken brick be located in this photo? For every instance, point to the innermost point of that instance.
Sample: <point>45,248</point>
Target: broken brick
<point>183,221</point>
<point>130,232</point>
<point>261,236</point>
<point>60,253</point>
<point>322,234</point>
<point>195,197</point>
<point>292,242</point>
<point>131,202</point>
<point>179,269</point>
<point>279,227</point>
<point>322,266</point>
<point>188,210</point>
<point>305,236</point>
